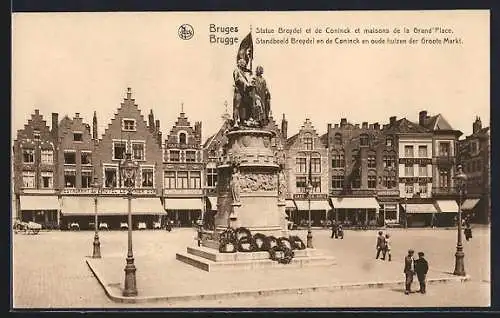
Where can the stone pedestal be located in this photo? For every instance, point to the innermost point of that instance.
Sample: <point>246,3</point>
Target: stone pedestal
<point>258,208</point>
<point>255,204</point>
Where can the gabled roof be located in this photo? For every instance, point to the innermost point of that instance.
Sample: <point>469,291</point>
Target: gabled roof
<point>403,125</point>
<point>437,122</point>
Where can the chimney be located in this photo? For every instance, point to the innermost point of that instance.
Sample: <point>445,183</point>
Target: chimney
<point>77,115</point>
<point>356,126</point>
<point>343,122</point>
<point>284,127</point>
<point>129,93</point>
<point>197,131</point>
<point>157,125</point>
<point>158,137</point>
<point>365,125</point>
<point>376,126</point>
<point>329,128</point>
<point>55,124</point>
<point>392,120</point>
<point>477,125</point>
<point>422,116</point>
<point>151,121</point>
<point>370,126</point>
<point>94,126</point>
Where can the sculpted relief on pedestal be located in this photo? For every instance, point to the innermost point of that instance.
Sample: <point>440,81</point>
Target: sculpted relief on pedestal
<point>258,182</point>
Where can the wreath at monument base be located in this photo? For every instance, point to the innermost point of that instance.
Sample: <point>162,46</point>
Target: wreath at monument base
<point>261,242</point>
<point>242,232</point>
<point>227,241</point>
<point>281,254</point>
<point>272,241</point>
<point>246,244</point>
<point>297,243</point>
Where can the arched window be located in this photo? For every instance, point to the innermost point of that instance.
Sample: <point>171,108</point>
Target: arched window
<point>182,138</point>
<point>338,139</point>
<point>372,179</point>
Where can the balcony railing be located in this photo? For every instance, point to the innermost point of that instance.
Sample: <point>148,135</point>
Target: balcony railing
<point>444,190</point>
<point>181,192</point>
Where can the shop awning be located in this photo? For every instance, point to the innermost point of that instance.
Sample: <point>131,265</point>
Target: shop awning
<point>39,202</point>
<point>290,205</point>
<point>78,206</point>
<point>355,203</point>
<point>447,206</point>
<point>469,204</point>
<point>183,204</point>
<point>315,205</point>
<point>110,206</point>
<point>119,206</point>
<point>147,206</point>
<point>213,203</point>
<point>419,208</point>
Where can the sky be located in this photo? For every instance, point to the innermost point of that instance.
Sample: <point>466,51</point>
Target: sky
<point>81,62</point>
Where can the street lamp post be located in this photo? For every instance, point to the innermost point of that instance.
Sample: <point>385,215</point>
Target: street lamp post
<point>309,232</point>
<point>96,253</point>
<point>128,170</point>
<point>459,255</point>
<point>202,216</point>
<point>406,212</point>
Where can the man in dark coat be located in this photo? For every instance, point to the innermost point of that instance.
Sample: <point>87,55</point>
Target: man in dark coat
<point>409,271</point>
<point>380,244</point>
<point>421,268</point>
<point>334,229</point>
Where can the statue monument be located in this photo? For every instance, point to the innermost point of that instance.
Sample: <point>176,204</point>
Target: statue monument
<point>251,185</point>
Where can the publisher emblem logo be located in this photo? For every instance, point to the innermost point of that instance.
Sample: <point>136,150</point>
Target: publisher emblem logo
<point>186,32</point>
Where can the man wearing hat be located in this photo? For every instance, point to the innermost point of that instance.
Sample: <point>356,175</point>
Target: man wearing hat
<point>409,271</point>
<point>421,268</point>
<point>380,245</point>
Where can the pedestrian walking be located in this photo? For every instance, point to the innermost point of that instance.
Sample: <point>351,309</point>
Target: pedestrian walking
<point>340,232</point>
<point>380,244</point>
<point>409,271</point>
<point>387,250</point>
<point>468,231</point>
<point>421,268</point>
<point>334,230</point>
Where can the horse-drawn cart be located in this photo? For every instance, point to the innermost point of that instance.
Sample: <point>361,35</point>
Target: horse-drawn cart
<point>27,227</point>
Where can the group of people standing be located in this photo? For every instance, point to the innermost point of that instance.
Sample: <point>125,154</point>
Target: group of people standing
<point>383,246</point>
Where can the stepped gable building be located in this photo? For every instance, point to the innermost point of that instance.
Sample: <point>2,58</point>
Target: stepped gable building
<point>357,155</point>
<point>128,132</point>
<point>444,161</point>
<point>35,171</point>
<point>183,172</point>
<point>306,152</point>
<point>474,155</point>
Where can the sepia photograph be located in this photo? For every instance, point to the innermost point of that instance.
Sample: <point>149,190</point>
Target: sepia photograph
<point>271,159</point>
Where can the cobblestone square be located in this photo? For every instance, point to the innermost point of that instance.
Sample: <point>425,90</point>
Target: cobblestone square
<point>49,269</point>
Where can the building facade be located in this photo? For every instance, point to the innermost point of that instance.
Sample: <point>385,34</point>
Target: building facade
<point>357,173</point>
<point>127,132</point>
<point>183,172</point>
<point>474,156</point>
<point>414,166</point>
<point>444,162</point>
<point>307,157</point>
<point>35,172</point>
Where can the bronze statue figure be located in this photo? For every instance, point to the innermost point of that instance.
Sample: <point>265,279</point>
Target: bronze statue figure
<point>263,92</point>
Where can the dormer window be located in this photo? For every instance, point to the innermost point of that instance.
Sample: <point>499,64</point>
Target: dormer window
<point>388,142</point>
<point>182,138</point>
<point>36,134</point>
<point>128,124</point>
<point>77,136</point>
<point>364,140</point>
